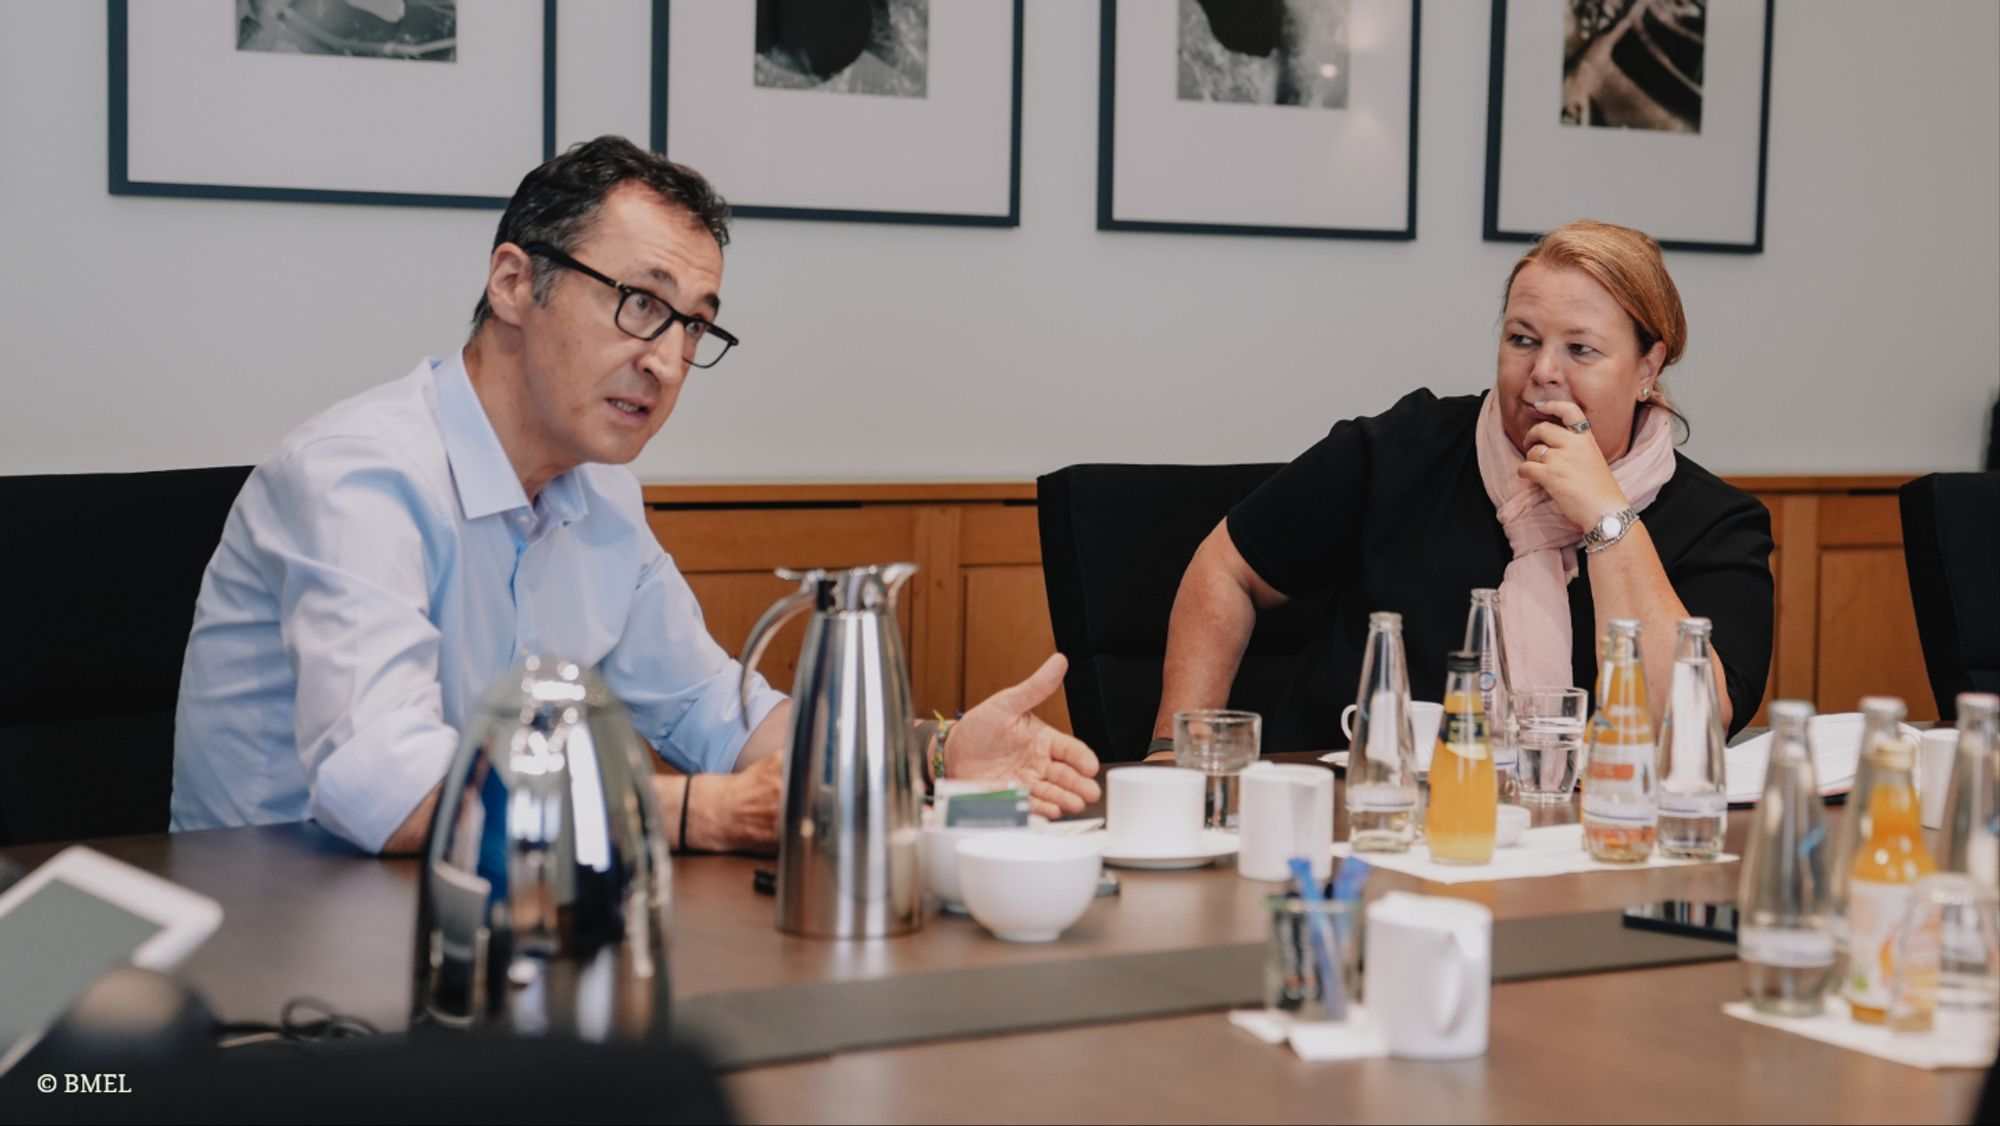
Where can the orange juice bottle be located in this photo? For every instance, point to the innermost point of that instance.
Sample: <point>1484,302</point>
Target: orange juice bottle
<point>1620,810</point>
<point>1878,887</point>
<point>1463,796</point>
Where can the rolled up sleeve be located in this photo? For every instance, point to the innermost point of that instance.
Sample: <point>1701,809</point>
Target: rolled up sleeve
<point>354,602</point>
<point>683,689</point>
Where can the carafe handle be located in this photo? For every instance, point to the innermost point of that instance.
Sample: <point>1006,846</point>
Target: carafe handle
<point>767,627</point>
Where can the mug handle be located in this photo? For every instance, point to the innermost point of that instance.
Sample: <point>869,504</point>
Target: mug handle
<point>1457,995</point>
<point>1347,722</point>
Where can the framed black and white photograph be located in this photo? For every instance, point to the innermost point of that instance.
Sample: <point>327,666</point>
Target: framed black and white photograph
<point>1647,113</point>
<point>1259,117</point>
<point>887,111</point>
<point>436,103</point>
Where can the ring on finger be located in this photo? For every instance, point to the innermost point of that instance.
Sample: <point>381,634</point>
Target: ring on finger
<point>1580,425</point>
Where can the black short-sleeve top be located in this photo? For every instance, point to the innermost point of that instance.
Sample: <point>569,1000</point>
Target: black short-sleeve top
<point>1389,513</point>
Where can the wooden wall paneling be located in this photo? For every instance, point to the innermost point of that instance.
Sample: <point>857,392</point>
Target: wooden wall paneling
<point>733,601</point>
<point>1867,632</point>
<point>1001,534</point>
<point>1867,629</point>
<point>1007,634</point>
<point>937,613</point>
<point>728,556</point>
<point>760,539</point>
<point>1793,670</point>
<point>976,617</point>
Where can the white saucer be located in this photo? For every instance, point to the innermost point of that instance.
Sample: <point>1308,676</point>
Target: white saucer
<point>1335,758</point>
<point>1215,844</point>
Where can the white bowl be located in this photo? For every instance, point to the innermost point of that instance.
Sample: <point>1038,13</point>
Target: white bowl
<point>941,860</point>
<point>1027,887</point>
<point>1509,822</point>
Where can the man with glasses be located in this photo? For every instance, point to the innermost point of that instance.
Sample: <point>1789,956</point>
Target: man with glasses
<point>402,550</point>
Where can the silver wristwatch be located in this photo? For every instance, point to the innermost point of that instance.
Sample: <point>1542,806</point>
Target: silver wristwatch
<point>1609,529</point>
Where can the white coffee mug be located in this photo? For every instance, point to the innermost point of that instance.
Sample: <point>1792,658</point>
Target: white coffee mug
<point>1430,975</point>
<point>1286,811</point>
<point>1424,719</point>
<point>1153,811</point>
<point>1936,754</point>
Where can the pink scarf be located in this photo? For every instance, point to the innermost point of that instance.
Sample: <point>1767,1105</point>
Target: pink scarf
<point>1534,597</point>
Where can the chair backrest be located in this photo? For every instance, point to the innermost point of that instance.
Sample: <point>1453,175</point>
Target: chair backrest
<point>101,586</point>
<point>1951,541</point>
<point>1115,542</point>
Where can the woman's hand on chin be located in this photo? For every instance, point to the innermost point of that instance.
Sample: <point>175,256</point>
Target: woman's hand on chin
<point>1569,466</point>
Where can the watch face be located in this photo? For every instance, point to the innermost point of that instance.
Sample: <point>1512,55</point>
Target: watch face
<point>1608,527</point>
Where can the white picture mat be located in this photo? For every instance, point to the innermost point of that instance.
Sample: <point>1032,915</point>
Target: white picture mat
<point>1674,186</point>
<point>949,152</point>
<point>1262,165</point>
<point>199,111</point>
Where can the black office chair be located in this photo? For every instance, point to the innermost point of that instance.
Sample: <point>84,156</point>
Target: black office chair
<point>1115,541</point>
<point>101,583</point>
<point>1951,541</point>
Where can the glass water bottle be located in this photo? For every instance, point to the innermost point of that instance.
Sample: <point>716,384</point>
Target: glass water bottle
<point>1881,718</point>
<point>1459,821</point>
<point>1693,807</point>
<point>1784,934</point>
<point>1969,839</point>
<point>1483,641</point>
<point>1381,761</point>
<point>1885,870</point>
<point>1620,813</point>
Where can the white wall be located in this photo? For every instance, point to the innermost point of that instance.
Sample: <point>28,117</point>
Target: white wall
<point>149,333</point>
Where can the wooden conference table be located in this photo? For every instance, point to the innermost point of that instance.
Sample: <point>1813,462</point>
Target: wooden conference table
<point>306,915</point>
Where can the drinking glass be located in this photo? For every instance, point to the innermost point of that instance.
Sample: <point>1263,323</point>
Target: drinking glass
<point>1220,744</point>
<point>1946,980</point>
<point>1551,727</point>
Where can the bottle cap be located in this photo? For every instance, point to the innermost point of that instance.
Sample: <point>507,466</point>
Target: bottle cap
<point>1885,707</point>
<point>1385,619</point>
<point>1797,711</point>
<point>1461,661</point>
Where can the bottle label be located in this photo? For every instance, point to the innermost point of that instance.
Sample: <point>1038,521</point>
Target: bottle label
<point>1693,805</point>
<point>1617,810</point>
<point>1620,793</point>
<point>1795,947</point>
<point>1874,915</point>
<point>1381,799</point>
<point>1461,728</point>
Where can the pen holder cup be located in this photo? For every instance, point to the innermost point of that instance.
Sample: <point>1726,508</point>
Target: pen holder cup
<point>1292,982</point>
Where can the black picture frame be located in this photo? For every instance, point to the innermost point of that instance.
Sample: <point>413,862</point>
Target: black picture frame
<point>1108,220</point>
<point>121,183</point>
<point>751,208</point>
<point>1610,211</point>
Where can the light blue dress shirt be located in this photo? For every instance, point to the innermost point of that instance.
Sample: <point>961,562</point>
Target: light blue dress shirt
<point>379,572</point>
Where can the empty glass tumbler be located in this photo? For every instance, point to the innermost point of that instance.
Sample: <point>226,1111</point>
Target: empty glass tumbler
<point>1221,744</point>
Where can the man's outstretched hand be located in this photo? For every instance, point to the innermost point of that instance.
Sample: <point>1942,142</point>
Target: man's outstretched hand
<point>1002,738</point>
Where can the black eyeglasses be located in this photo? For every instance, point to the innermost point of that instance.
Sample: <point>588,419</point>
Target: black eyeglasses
<point>647,315</point>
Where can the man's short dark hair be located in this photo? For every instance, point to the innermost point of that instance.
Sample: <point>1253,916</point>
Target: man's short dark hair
<point>559,202</point>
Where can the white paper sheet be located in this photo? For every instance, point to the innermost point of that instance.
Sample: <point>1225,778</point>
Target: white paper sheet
<point>1552,850</point>
<point>1928,1050</point>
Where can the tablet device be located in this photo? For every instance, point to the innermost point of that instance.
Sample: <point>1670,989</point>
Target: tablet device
<point>82,913</point>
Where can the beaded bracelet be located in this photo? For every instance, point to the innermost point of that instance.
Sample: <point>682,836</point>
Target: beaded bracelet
<point>944,727</point>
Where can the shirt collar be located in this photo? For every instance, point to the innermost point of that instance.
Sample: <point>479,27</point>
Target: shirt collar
<point>479,467</point>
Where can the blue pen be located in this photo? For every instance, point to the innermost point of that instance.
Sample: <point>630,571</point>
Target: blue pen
<point>1347,885</point>
<point>1326,946</point>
